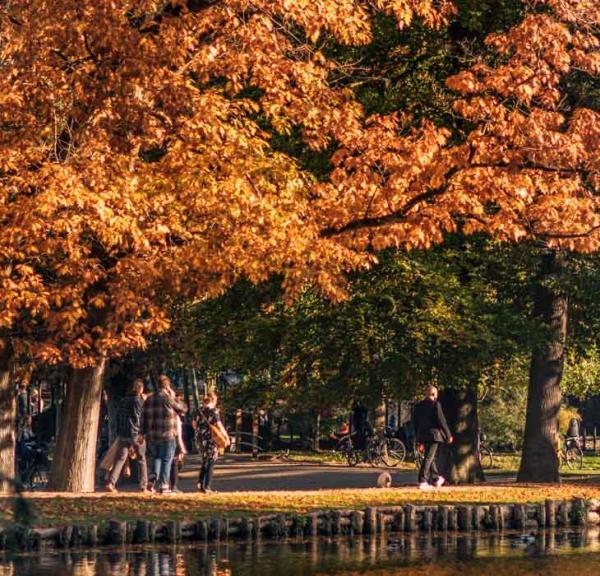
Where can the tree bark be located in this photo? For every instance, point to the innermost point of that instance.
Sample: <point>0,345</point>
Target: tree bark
<point>317,431</point>
<point>379,420</point>
<point>539,460</point>
<point>74,464</point>
<point>462,466</point>
<point>8,417</point>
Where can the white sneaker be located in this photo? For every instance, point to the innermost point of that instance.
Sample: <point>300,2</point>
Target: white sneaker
<point>425,486</point>
<point>440,481</point>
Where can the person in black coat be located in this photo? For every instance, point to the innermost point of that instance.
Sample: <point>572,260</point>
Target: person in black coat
<point>129,416</point>
<point>431,430</point>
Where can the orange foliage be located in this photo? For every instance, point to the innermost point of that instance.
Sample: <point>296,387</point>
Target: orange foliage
<point>530,169</point>
<point>133,168</point>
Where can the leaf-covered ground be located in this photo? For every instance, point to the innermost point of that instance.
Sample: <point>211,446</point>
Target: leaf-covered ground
<point>59,509</point>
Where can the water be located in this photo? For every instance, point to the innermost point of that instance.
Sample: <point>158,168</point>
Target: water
<point>551,553</point>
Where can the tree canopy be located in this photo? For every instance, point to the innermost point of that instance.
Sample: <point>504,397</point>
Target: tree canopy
<point>138,159</point>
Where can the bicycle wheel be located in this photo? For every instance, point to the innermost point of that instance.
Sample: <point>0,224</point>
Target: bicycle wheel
<point>486,457</point>
<point>394,452</point>
<point>373,454</point>
<point>351,457</point>
<point>574,458</point>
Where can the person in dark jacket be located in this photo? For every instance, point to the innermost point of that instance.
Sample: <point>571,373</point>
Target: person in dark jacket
<point>129,421</point>
<point>431,430</point>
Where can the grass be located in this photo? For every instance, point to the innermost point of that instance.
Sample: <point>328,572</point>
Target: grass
<point>60,509</point>
<point>503,463</point>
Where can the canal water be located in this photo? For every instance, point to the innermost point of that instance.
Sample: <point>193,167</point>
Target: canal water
<point>548,553</point>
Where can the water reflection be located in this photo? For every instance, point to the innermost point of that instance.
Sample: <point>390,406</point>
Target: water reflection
<point>447,554</point>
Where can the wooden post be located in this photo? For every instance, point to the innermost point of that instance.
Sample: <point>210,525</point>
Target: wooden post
<point>313,524</point>
<point>370,524</point>
<point>584,438</point>
<point>427,519</point>
<point>562,515</point>
<point>550,513</point>
<point>255,434</point>
<point>410,518</point>
<point>358,522</point>
<point>519,516</point>
<point>238,430</point>
<point>465,521</point>
<point>594,441</point>
<point>442,518</point>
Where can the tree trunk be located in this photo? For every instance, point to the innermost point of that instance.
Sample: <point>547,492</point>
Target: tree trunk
<point>539,460</point>
<point>255,430</point>
<point>74,464</point>
<point>317,432</point>
<point>8,417</point>
<point>379,420</point>
<point>462,465</point>
<point>195,393</point>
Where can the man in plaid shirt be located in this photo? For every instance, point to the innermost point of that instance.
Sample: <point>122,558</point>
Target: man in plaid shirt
<point>160,429</point>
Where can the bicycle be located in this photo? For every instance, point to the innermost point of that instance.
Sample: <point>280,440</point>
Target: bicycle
<point>34,465</point>
<point>484,453</point>
<point>346,447</point>
<point>385,450</point>
<point>570,452</point>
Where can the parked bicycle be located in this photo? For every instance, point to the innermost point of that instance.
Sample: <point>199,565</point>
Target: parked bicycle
<point>385,449</point>
<point>484,452</point>
<point>571,453</point>
<point>380,450</point>
<point>345,447</point>
<point>33,464</point>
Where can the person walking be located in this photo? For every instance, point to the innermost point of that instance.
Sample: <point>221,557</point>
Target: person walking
<point>431,430</point>
<point>161,411</point>
<point>180,452</point>
<point>130,439</point>
<point>209,451</point>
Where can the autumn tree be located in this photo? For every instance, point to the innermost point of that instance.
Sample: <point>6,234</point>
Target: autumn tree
<point>527,170</point>
<point>137,163</point>
<point>133,167</point>
<point>535,152</point>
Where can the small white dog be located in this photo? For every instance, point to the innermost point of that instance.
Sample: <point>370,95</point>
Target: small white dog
<point>384,480</point>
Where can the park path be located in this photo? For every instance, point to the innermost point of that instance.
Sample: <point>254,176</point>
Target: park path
<point>236,474</point>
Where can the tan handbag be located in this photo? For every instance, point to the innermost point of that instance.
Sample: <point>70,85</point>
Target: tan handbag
<point>219,436</point>
<point>218,433</point>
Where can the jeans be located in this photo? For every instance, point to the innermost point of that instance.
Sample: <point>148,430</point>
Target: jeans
<point>428,471</point>
<point>123,454</point>
<point>162,454</point>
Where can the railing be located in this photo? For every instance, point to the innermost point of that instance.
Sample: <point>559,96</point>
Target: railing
<point>252,445</point>
<point>590,440</point>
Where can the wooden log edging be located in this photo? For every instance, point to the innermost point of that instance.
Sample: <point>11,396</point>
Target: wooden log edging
<point>409,518</point>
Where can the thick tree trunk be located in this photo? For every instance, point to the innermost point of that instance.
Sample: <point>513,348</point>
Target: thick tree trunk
<point>462,466</point>
<point>8,416</point>
<point>539,460</point>
<point>379,421</point>
<point>74,464</point>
